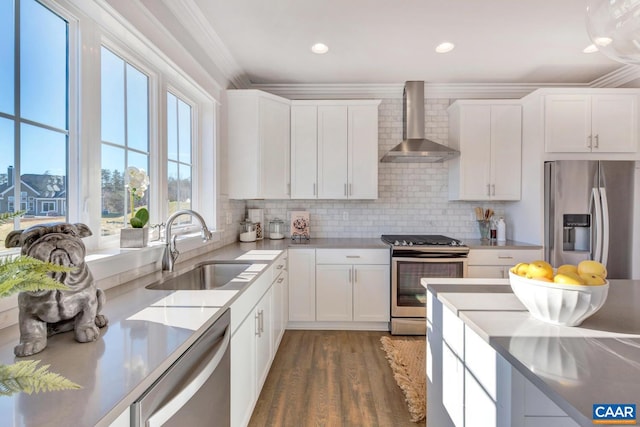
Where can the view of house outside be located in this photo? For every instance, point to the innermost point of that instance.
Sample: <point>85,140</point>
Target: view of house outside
<point>33,114</point>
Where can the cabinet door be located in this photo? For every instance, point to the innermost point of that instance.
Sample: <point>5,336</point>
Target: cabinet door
<point>371,293</point>
<point>487,272</point>
<point>453,386</point>
<point>304,151</point>
<point>280,313</point>
<point>334,292</point>
<point>567,123</point>
<point>302,285</point>
<point>263,336</point>
<point>506,147</point>
<point>614,121</point>
<point>332,152</point>
<point>363,152</point>
<point>243,372</point>
<point>475,149</point>
<point>275,132</point>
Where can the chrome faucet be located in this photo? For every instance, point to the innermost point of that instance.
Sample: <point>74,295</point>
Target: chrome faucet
<point>170,251</point>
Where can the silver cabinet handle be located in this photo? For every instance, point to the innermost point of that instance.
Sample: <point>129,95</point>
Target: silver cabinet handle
<point>597,145</point>
<point>350,278</point>
<point>163,414</point>
<point>261,322</point>
<point>505,257</point>
<point>353,256</point>
<point>280,280</point>
<point>590,141</point>
<point>345,189</point>
<point>502,273</point>
<point>314,188</point>
<point>257,324</point>
<point>355,276</point>
<point>280,267</point>
<point>350,190</point>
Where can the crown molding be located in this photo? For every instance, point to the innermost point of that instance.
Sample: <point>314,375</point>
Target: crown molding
<point>193,20</point>
<point>619,77</point>
<point>432,90</point>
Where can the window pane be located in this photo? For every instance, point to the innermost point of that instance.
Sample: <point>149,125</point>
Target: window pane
<point>137,110</point>
<point>172,184</point>
<point>7,30</point>
<point>112,97</point>
<point>6,173</point>
<point>113,193</point>
<point>43,65</point>
<point>184,126</point>
<point>43,173</point>
<point>184,172</point>
<point>172,127</point>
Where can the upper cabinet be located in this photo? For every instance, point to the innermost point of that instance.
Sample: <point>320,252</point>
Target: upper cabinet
<point>598,123</point>
<point>488,135</point>
<point>334,149</point>
<point>259,138</point>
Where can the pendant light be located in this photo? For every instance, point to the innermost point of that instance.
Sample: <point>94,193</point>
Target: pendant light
<point>614,28</point>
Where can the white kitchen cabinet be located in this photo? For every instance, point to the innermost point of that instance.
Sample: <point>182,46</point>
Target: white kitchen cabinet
<point>489,138</point>
<point>302,285</point>
<point>334,149</point>
<point>598,123</point>
<point>304,151</point>
<point>263,329</point>
<point>334,293</point>
<point>256,319</point>
<point>495,263</point>
<point>371,293</point>
<point>258,149</point>
<point>280,303</point>
<point>352,285</point>
<point>470,384</point>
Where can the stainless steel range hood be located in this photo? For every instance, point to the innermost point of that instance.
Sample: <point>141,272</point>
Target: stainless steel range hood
<point>415,148</point>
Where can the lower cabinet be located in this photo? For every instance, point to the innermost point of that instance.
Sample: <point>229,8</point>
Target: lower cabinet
<point>495,263</point>
<point>339,288</point>
<point>469,384</point>
<point>255,339</point>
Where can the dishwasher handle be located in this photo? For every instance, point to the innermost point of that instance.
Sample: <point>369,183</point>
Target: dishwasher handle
<point>163,414</point>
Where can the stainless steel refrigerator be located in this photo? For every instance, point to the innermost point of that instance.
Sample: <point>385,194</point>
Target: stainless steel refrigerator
<point>589,213</point>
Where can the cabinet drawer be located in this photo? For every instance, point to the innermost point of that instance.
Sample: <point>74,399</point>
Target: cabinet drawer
<point>502,256</point>
<point>279,266</point>
<point>352,256</point>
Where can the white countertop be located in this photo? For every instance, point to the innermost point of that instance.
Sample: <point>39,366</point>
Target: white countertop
<point>596,362</point>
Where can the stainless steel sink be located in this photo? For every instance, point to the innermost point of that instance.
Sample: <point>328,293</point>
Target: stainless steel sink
<point>205,276</point>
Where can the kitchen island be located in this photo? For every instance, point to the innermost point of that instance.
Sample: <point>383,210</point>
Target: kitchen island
<point>490,363</point>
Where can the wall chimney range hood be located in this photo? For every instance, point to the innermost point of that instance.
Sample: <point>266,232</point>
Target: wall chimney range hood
<point>415,148</point>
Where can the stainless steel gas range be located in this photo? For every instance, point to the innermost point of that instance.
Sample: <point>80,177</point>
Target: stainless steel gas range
<point>412,258</point>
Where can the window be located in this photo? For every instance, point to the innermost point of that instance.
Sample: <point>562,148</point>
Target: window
<point>179,162</point>
<point>34,107</point>
<point>125,136</point>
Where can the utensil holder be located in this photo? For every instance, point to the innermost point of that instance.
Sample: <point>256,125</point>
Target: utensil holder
<point>484,226</point>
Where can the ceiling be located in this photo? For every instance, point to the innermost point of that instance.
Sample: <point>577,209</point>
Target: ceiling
<point>386,42</point>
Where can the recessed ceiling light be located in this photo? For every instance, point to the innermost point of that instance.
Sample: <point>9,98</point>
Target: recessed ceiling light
<point>445,47</point>
<point>592,48</point>
<point>320,48</point>
<point>602,41</point>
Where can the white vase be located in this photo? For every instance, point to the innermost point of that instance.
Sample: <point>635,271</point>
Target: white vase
<point>134,237</point>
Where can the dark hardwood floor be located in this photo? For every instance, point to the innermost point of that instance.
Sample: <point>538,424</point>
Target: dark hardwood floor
<point>333,379</point>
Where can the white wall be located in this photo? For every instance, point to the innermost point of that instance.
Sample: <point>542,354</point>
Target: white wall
<point>413,197</point>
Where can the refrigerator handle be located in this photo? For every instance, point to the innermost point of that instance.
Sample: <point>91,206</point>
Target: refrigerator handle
<point>605,225</point>
<point>596,212</point>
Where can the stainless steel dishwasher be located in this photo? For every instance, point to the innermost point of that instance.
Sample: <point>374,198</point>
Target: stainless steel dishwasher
<point>195,390</point>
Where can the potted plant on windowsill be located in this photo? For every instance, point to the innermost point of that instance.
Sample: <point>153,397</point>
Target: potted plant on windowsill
<point>23,273</point>
<point>137,236</point>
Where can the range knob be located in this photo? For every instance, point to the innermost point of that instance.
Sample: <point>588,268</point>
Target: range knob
<point>410,243</point>
<point>396,243</point>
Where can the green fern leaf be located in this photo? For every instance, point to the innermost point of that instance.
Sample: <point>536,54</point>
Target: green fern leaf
<point>26,376</point>
<point>26,274</point>
<point>8,216</point>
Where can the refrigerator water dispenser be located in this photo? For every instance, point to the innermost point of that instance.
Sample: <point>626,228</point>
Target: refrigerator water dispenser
<point>576,232</point>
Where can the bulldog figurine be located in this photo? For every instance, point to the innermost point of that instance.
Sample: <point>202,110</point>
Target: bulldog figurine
<point>44,313</point>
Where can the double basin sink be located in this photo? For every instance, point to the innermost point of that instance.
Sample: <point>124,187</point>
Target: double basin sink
<point>205,276</point>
